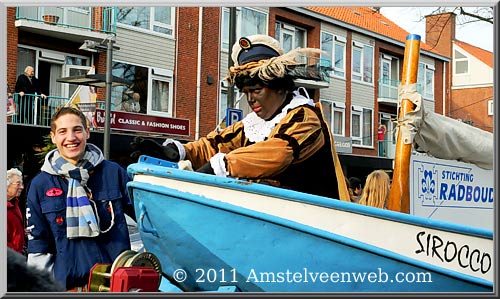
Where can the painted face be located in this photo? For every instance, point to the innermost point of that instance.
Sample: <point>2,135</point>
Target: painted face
<point>70,136</point>
<point>15,188</point>
<point>263,100</point>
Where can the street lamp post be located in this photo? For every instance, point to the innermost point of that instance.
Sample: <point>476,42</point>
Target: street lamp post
<point>107,111</point>
<point>93,46</point>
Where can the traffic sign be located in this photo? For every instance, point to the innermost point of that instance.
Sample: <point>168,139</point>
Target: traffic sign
<point>233,115</point>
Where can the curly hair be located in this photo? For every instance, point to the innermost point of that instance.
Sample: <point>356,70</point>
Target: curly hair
<point>13,172</point>
<point>269,70</point>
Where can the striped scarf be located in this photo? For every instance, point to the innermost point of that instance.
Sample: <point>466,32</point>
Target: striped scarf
<point>80,217</point>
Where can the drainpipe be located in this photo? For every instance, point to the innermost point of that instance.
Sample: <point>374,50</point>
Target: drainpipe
<point>198,75</point>
<point>444,88</point>
<point>176,65</point>
<point>230,63</point>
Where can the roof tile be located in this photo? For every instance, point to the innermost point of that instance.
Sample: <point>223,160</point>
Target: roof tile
<point>368,19</point>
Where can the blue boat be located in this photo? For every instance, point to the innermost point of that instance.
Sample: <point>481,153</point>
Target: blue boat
<point>209,232</point>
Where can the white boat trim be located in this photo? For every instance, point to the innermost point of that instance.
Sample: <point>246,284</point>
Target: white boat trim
<point>408,240</point>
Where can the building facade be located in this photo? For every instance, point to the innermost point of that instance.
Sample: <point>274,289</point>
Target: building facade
<point>471,71</point>
<point>175,60</point>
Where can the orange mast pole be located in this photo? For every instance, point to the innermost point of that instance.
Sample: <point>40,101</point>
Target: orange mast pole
<point>399,196</point>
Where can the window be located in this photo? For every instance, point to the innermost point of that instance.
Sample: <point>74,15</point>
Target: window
<point>154,87</point>
<point>362,126</point>
<point>461,63</point>
<point>161,93</point>
<point>362,62</point>
<point>157,19</point>
<point>490,107</point>
<point>425,80</point>
<point>389,77</point>
<point>289,36</point>
<point>334,46</point>
<point>248,22</point>
<point>223,101</point>
<point>334,115</point>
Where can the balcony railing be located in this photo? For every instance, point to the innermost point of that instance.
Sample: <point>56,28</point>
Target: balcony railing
<point>71,17</point>
<point>386,148</point>
<point>32,109</point>
<point>388,89</point>
<point>313,68</point>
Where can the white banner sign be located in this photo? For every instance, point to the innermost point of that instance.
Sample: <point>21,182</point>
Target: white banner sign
<point>451,191</point>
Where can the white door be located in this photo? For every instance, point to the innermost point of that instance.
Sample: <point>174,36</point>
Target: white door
<point>73,70</point>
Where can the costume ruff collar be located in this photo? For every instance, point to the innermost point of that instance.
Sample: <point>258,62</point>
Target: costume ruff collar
<point>257,129</point>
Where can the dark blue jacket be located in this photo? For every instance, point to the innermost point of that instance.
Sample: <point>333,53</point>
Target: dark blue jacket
<point>73,259</point>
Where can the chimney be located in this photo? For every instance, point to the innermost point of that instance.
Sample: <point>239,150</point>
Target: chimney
<point>440,32</point>
<point>375,9</point>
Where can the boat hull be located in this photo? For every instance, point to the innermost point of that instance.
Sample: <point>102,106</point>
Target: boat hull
<point>210,232</point>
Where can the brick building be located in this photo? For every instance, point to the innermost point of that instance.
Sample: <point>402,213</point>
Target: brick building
<point>471,71</point>
<point>176,60</point>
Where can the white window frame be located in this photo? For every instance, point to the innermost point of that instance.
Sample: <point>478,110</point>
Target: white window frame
<point>335,107</point>
<point>338,72</point>
<point>157,74</point>
<point>361,47</point>
<point>224,40</point>
<point>456,60</point>
<point>153,22</point>
<point>428,71</point>
<point>223,106</point>
<point>356,73</point>
<point>161,75</point>
<point>291,30</point>
<point>65,90</point>
<point>339,107</point>
<point>360,111</point>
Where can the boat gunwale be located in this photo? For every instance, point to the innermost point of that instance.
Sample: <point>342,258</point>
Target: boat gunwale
<point>287,194</point>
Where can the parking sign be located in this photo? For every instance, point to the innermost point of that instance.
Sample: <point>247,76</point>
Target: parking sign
<point>233,115</point>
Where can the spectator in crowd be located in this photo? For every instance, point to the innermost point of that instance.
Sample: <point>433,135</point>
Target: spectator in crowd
<point>355,185</point>
<point>24,278</point>
<point>27,84</point>
<point>76,205</point>
<point>381,139</point>
<point>133,104</point>
<point>376,190</point>
<point>15,219</point>
<point>284,142</point>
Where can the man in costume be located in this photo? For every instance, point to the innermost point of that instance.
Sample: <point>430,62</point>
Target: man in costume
<point>284,142</point>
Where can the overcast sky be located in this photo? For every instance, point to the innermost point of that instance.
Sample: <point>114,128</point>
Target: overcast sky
<point>479,34</point>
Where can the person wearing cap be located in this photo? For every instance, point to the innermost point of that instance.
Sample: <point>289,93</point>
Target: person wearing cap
<point>284,142</point>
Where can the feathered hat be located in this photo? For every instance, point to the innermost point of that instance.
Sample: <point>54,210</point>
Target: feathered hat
<point>262,56</point>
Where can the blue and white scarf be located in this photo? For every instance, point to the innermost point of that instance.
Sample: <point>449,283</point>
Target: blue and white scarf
<point>80,217</point>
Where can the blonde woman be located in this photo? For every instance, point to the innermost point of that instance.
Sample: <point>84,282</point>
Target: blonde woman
<point>376,190</point>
